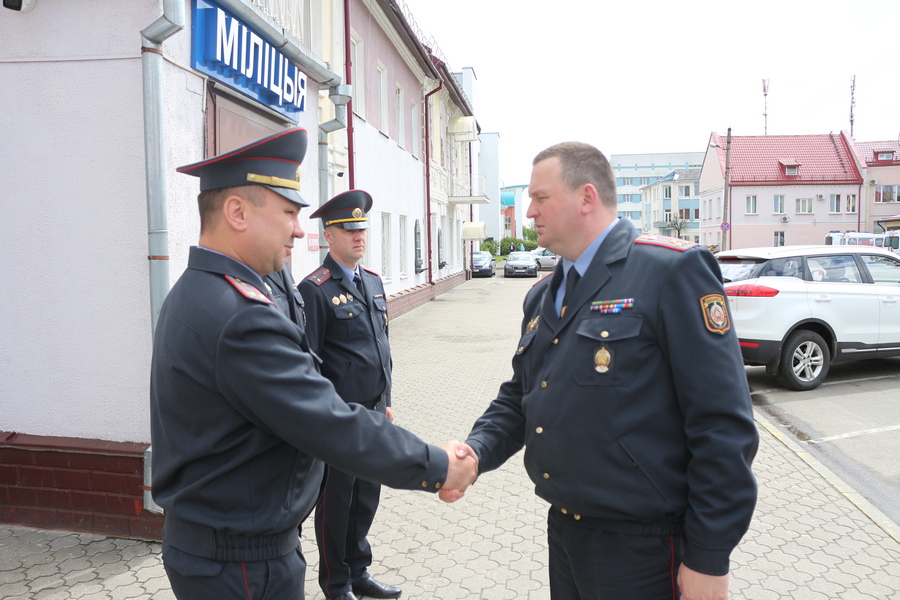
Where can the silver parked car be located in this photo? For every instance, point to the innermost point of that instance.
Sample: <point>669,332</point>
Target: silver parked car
<point>545,259</point>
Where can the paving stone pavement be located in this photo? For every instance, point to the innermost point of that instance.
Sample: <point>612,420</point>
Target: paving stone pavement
<point>812,538</point>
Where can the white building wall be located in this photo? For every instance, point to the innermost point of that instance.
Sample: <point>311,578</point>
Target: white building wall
<point>490,168</point>
<point>76,343</point>
<point>396,181</point>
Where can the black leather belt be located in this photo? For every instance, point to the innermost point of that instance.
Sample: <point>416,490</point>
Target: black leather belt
<point>658,527</point>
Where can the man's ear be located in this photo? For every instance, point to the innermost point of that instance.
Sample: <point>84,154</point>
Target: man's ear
<point>328,236</point>
<point>234,212</point>
<point>590,198</point>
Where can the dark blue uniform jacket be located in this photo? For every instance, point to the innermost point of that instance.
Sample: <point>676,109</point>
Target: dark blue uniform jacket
<point>357,355</point>
<point>241,418</point>
<point>634,406</point>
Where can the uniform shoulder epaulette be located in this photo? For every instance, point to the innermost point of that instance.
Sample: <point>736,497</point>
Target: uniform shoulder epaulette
<point>370,271</point>
<point>249,291</point>
<point>664,241</point>
<point>319,276</point>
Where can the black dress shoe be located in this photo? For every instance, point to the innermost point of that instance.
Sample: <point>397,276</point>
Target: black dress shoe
<point>367,586</point>
<point>347,596</point>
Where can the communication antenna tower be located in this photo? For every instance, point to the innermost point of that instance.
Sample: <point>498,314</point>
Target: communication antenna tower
<point>852,102</point>
<point>765,107</point>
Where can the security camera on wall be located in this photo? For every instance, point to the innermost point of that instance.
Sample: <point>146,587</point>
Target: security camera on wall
<point>19,5</point>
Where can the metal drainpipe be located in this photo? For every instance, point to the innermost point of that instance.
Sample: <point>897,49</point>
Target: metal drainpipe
<point>340,96</point>
<point>170,23</point>
<point>428,176</point>
<point>348,76</point>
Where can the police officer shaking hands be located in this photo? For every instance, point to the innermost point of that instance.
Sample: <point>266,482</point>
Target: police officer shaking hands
<point>630,398</point>
<point>241,418</point>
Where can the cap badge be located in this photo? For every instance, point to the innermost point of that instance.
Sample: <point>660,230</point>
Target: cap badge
<point>357,213</point>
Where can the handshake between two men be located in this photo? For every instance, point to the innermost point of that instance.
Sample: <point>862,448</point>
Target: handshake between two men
<point>462,471</point>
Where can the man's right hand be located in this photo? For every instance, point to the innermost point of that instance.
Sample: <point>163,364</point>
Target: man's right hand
<point>461,472</point>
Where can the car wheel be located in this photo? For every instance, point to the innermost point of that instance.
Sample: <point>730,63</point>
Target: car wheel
<point>805,361</point>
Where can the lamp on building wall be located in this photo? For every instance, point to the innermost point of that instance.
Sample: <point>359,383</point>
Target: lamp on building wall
<point>726,196</point>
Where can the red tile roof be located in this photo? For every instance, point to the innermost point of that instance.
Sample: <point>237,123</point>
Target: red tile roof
<point>868,150</point>
<point>761,160</point>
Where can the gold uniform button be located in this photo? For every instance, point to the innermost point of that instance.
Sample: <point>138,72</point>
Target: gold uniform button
<point>555,340</point>
<point>604,334</point>
<point>565,512</point>
<point>350,314</point>
<point>424,484</point>
<point>540,430</point>
<point>437,486</point>
<point>577,517</point>
<point>546,475</point>
<point>521,348</point>
<point>543,384</point>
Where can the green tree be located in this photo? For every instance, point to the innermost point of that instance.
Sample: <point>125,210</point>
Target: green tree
<point>529,233</point>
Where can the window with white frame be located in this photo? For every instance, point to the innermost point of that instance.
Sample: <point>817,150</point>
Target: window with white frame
<point>804,206</point>
<point>851,203</point>
<point>778,208</point>
<point>401,118</point>
<point>886,193</point>
<point>382,98</point>
<point>750,205</point>
<point>885,156</point>
<point>791,170</point>
<point>401,233</point>
<point>357,60</point>
<point>778,238</point>
<point>667,191</point>
<point>668,216</point>
<point>684,191</point>
<point>684,214</point>
<point>835,205</point>
<point>386,246</point>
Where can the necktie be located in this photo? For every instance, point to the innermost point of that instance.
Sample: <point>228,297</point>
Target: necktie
<point>572,278</point>
<point>357,282</point>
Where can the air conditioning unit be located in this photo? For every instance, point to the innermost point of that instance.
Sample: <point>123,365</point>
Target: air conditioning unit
<point>873,181</point>
<point>785,219</point>
<point>820,197</point>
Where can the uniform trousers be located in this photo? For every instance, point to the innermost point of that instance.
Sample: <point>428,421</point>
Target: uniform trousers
<point>344,515</point>
<point>197,578</point>
<point>588,563</point>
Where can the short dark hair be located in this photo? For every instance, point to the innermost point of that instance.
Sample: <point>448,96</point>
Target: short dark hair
<point>210,202</point>
<point>582,163</point>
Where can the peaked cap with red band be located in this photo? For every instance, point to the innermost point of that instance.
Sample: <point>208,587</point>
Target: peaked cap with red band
<point>273,162</point>
<point>347,210</point>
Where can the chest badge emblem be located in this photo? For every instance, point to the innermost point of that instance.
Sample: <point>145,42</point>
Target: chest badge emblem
<point>602,359</point>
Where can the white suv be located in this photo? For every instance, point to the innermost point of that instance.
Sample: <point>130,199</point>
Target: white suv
<point>797,309</point>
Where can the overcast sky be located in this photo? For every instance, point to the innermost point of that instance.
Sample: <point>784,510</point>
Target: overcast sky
<point>634,76</point>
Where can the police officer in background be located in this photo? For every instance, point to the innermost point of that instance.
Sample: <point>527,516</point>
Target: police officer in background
<point>630,397</point>
<point>347,325</point>
<point>241,419</point>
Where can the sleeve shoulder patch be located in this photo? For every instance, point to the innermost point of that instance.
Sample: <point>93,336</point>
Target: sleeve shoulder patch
<point>664,241</point>
<point>715,313</point>
<point>249,291</point>
<point>319,276</point>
